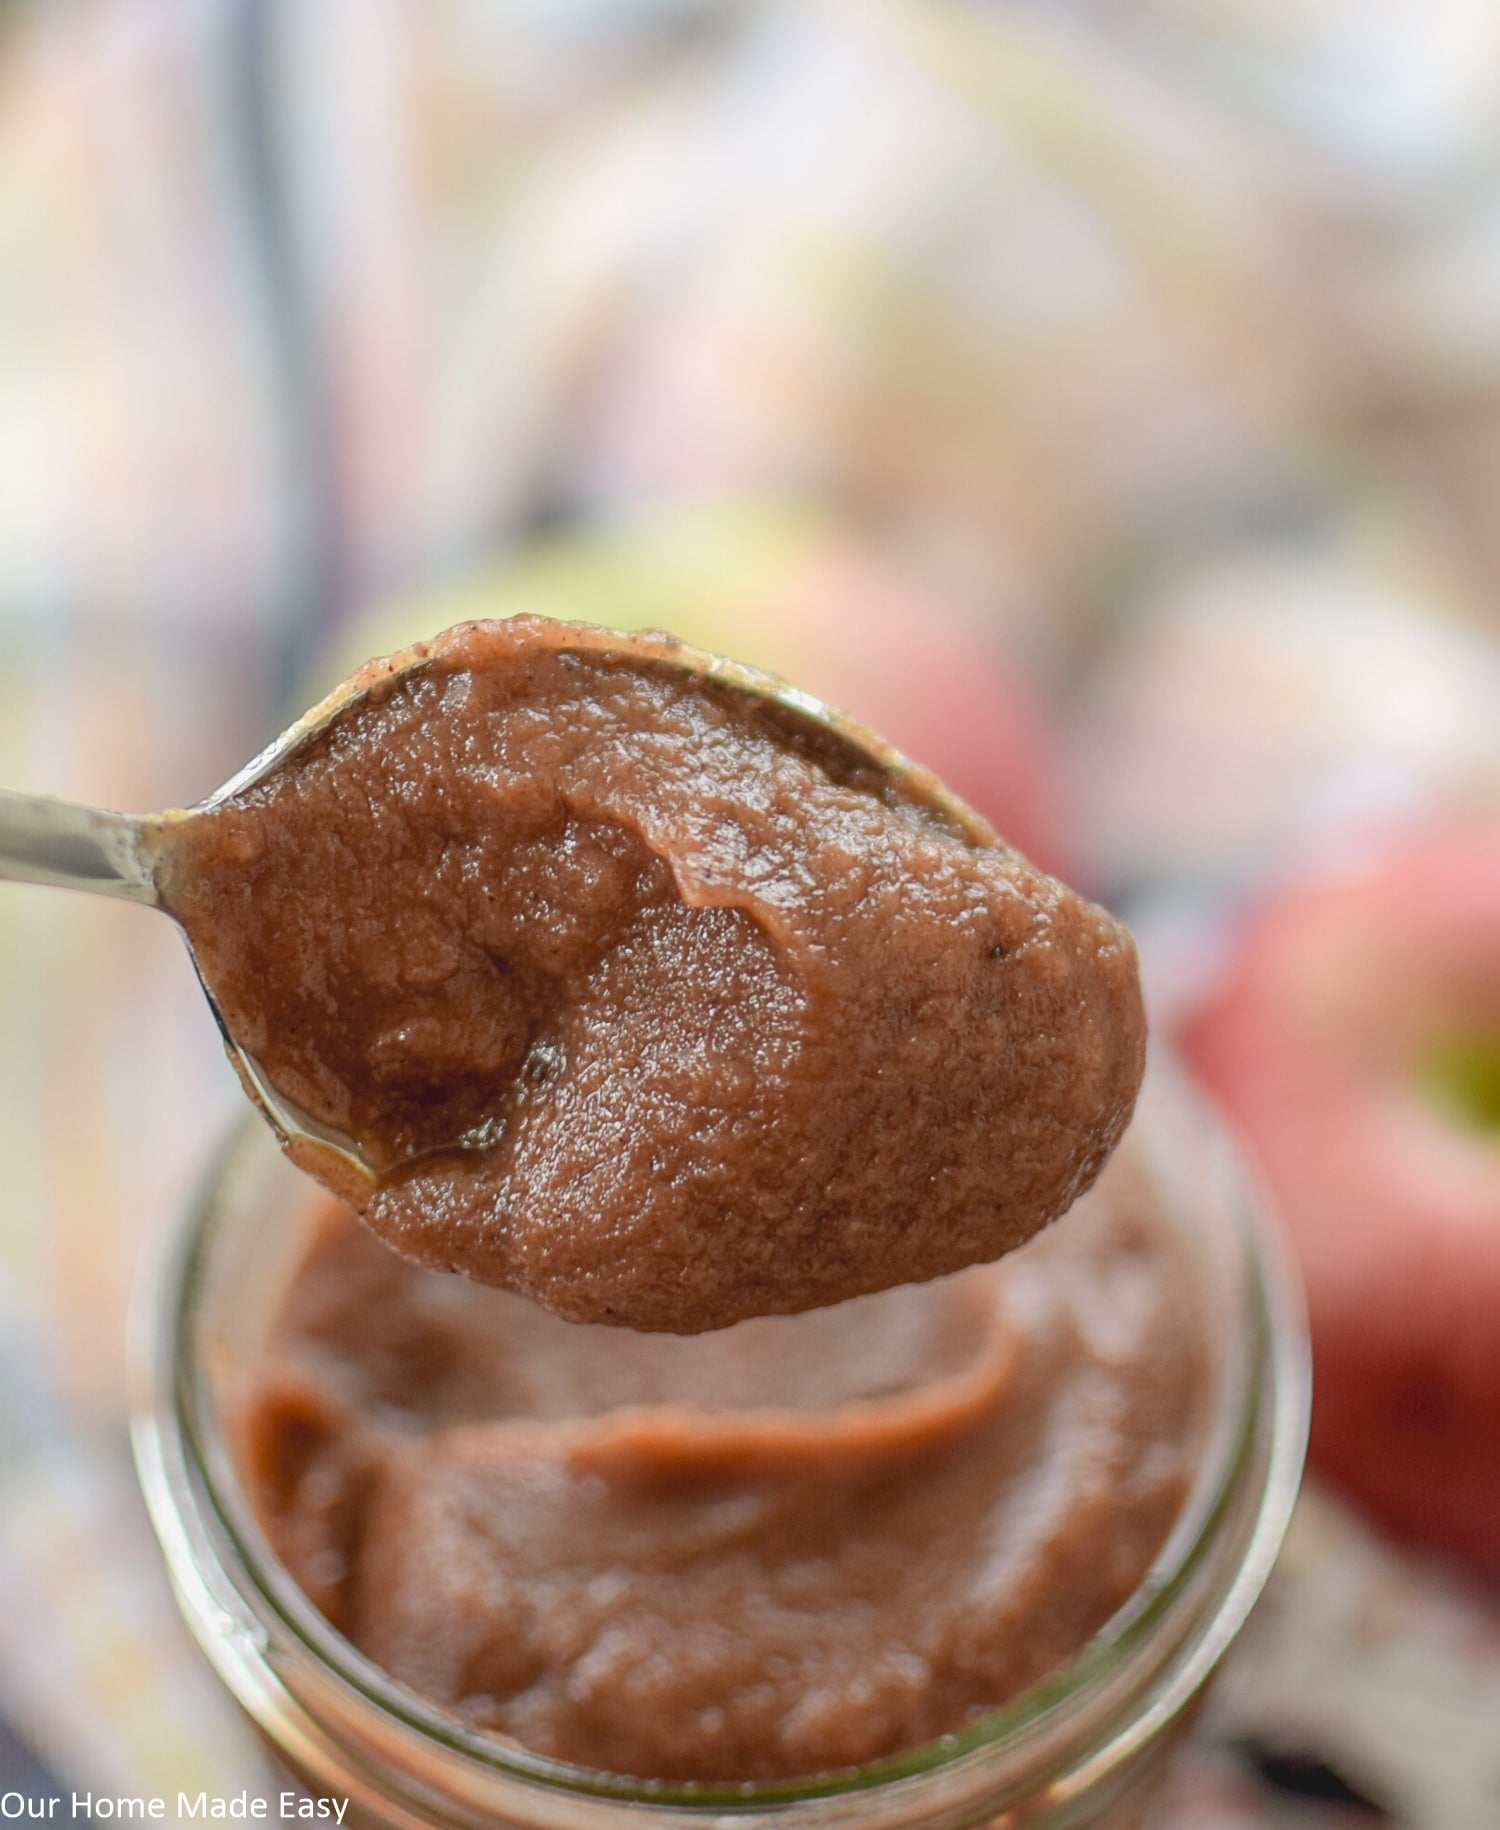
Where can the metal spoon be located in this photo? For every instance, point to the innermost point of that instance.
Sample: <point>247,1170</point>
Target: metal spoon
<point>125,855</point>
<point>49,841</point>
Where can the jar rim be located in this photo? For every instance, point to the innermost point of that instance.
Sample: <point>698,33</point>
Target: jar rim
<point>173,1408</point>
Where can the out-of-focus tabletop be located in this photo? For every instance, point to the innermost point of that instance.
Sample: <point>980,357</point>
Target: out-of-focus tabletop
<point>1158,340</point>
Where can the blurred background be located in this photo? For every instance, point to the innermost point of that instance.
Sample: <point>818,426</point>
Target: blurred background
<point>1101,397</point>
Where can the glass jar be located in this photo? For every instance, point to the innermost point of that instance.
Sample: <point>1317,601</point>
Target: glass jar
<point>1086,1747</point>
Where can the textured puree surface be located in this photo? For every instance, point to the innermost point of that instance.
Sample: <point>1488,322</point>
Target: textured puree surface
<point>794,1546</point>
<point>654,999</point>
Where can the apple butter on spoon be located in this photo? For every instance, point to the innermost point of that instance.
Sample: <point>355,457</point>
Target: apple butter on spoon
<point>598,968</point>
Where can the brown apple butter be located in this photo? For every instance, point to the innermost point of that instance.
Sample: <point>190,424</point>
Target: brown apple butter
<point>795,1546</point>
<point>654,998</point>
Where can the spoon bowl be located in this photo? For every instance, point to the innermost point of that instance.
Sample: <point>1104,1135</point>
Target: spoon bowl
<point>131,856</point>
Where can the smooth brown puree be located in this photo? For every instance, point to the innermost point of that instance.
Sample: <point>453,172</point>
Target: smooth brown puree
<point>654,1000</point>
<point>792,1547</point>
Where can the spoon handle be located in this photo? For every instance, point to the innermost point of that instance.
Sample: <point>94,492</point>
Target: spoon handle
<point>80,848</point>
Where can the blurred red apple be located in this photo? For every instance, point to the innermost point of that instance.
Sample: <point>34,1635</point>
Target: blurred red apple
<point>1355,1045</point>
<point>789,591</point>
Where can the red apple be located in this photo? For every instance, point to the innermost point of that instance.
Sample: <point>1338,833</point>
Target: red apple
<point>1355,1045</point>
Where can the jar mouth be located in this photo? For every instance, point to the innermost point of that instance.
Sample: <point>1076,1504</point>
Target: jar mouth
<point>1260,1419</point>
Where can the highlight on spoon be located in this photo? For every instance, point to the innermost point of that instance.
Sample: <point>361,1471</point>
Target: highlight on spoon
<point>324,1153</point>
<point>48,841</point>
<point>655,646</point>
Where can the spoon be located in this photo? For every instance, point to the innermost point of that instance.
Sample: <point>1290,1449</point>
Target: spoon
<point>124,855</point>
<point>62,843</point>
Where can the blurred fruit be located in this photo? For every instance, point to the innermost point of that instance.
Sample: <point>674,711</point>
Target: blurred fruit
<point>1262,698</point>
<point>788,591</point>
<point>1355,1044</point>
